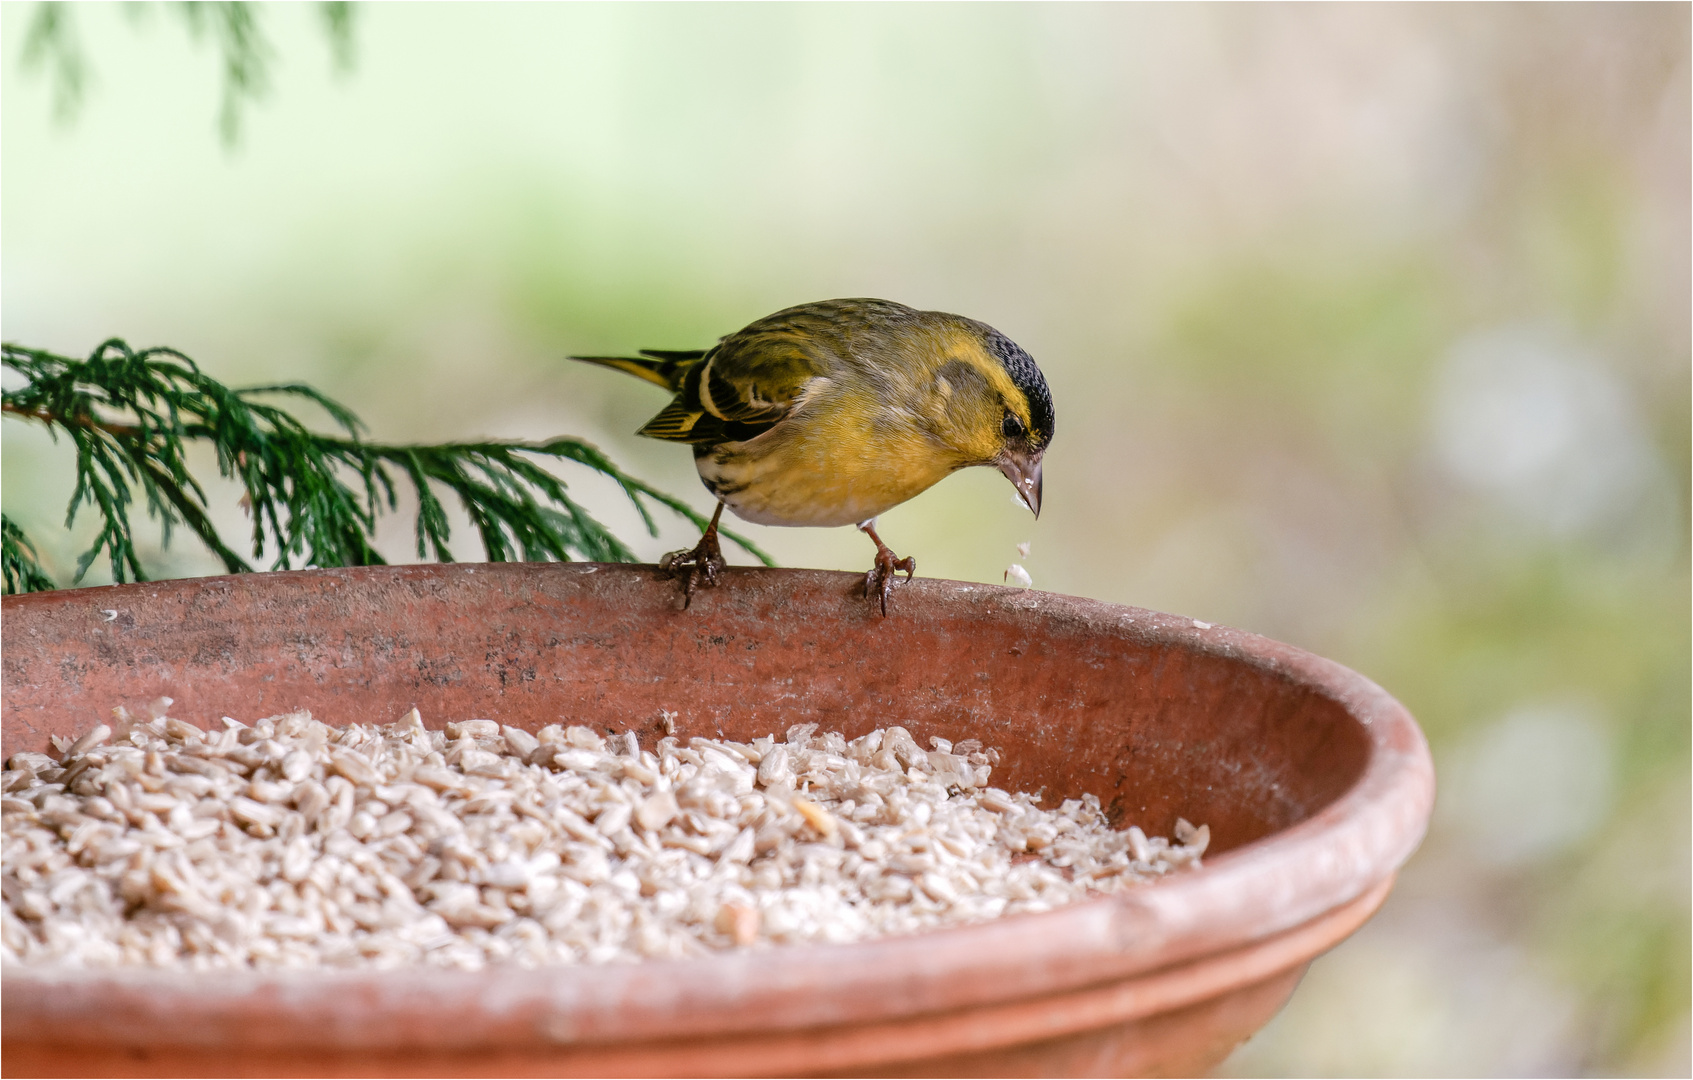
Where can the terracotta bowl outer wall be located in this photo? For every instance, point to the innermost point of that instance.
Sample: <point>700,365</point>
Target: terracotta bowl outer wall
<point>1316,785</point>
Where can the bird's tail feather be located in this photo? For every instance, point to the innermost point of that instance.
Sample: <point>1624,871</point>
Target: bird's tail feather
<point>660,367</point>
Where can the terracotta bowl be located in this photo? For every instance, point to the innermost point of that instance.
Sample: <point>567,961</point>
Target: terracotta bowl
<point>1316,785</point>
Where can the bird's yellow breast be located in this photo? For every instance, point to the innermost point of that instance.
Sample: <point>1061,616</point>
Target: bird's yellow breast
<point>842,458</point>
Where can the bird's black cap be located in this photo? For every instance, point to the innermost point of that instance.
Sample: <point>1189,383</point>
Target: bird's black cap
<point>1026,376</point>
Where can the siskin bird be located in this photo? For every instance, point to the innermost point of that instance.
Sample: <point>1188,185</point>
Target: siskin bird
<point>833,412</point>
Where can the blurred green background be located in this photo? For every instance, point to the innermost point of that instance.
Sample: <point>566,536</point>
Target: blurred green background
<point>1368,328</point>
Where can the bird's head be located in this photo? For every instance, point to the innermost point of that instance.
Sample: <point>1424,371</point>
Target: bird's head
<point>1026,427</point>
<point>998,407</point>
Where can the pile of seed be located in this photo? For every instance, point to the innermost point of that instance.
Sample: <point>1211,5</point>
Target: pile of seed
<point>290,843</point>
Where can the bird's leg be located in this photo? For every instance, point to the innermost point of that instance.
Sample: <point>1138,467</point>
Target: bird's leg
<point>699,566</point>
<point>880,580</point>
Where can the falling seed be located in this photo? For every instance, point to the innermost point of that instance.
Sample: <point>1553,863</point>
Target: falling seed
<point>1016,575</point>
<point>1023,550</point>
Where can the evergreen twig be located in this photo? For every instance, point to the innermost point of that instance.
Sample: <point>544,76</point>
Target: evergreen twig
<point>23,570</point>
<point>315,498</point>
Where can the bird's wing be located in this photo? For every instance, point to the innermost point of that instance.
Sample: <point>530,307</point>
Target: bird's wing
<point>745,385</point>
<point>756,378</point>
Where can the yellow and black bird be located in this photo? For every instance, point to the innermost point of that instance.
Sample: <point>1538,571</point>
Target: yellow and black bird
<point>833,412</point>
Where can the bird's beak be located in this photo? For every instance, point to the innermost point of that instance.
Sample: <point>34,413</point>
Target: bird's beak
<point>1023,470</point>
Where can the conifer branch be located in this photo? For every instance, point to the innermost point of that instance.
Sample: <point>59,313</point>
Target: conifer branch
<point>22,569</point>
<point>314,499</point>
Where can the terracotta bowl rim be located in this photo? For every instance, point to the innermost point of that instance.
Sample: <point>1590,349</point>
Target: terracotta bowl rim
<point>1252,893</point>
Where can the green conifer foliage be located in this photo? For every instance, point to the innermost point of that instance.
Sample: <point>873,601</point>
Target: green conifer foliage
<point>313,499</point>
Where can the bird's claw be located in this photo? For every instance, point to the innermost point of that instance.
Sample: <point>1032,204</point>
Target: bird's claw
<point>696,567</point>
<point>880,580</point>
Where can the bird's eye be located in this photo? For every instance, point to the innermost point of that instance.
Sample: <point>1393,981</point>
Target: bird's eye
<point>1012,427</point>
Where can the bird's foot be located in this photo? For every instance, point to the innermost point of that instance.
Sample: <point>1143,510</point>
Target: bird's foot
<point>696,567</point>
<point>880,580</point>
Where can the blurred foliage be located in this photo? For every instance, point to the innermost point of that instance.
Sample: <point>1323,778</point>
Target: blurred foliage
<point>244,52</point>
<point>130,416</point>
<point>52,42</point>
<point>1314,351</point>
